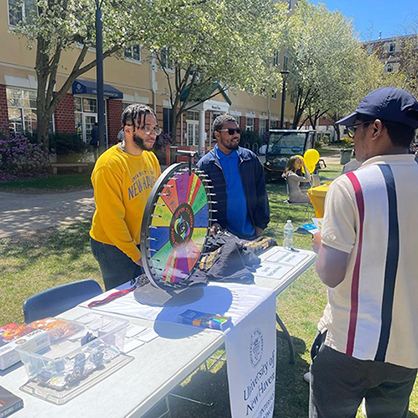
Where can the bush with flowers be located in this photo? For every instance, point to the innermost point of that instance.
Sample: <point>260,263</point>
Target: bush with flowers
<point>20,158</point>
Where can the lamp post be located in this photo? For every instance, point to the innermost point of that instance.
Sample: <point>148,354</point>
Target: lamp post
<point>99,76</point>
<point>284,74</point>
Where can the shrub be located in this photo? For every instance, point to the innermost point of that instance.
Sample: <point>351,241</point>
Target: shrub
<point>20,158</point>
<point>64,143</point>
<point>348,142</point>
<point>250,137</point>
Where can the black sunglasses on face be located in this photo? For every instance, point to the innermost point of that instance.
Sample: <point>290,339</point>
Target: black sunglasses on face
<point>351,129</point>
<point>231,131</point>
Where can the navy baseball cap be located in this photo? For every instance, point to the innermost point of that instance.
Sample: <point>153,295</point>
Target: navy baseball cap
<point>388,104</point>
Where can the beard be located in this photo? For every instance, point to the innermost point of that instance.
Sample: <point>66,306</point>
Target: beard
<point>232,145</point>
<point>139,142</point>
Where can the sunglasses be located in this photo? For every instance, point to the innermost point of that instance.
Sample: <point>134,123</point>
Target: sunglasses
<point>231,131</point>
<point>351,130</point>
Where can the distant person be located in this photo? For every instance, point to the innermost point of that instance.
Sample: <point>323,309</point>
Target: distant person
<point>121,135</point>
<point>294,177</point>
<point>367,252</point>
<point>238,180</point>
<point>94,141</point>
<point>122,180</point>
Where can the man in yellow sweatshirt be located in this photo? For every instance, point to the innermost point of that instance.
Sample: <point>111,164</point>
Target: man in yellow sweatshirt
<point>122,180</point>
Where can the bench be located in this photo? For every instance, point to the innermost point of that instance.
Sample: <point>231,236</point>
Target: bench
<point>78,166</point>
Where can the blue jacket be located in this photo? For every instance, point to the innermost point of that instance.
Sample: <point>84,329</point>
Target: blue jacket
<point>252,176</point>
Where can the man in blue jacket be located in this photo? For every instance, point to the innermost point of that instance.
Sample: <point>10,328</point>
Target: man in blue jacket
<point>238,178</point>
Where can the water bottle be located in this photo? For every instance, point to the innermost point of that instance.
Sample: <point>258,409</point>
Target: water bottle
<point>288,235</point>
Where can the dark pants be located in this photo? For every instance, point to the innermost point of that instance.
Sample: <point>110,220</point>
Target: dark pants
<point>339,383</point>
<point>117,268</point>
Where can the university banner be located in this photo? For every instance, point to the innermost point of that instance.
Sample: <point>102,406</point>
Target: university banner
<point>251,362</point>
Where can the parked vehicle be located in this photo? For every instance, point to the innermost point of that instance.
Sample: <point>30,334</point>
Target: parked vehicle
<point>282,144</point>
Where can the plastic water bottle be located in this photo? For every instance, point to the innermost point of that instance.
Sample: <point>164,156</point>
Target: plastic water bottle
<point>288,235</point>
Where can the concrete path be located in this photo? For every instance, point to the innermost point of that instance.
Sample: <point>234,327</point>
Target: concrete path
<point>24,213</point>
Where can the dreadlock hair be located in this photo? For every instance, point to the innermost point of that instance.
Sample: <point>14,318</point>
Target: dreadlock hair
<point>133,113</point>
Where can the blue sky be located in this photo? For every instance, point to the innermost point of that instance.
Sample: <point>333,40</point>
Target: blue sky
<point>372,16</point>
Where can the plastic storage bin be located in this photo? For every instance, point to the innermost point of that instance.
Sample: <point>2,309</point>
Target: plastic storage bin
<point>77,361</point>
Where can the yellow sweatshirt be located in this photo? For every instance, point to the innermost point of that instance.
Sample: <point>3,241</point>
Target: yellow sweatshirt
<point>122,183</point>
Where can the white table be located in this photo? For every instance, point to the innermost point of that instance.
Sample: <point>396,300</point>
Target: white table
<point>158,366</point>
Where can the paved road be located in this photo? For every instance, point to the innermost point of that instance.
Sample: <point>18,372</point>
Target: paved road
<point>20,213</point>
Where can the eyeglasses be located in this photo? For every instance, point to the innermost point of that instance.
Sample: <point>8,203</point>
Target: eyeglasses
<point>148,129</point>
<point>351,130</point>
<point>231,131</point>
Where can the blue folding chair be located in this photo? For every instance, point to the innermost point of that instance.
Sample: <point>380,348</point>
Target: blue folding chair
<point>52,302</point>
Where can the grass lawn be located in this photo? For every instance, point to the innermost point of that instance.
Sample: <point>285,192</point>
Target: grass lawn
<point>32,263</point>
<point>50,183</point>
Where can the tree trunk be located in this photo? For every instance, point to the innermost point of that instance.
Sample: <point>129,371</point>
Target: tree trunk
<point>337,131</point>
<point>43,129</point>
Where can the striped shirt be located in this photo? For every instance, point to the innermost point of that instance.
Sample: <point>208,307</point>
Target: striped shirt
<point>372,215</point>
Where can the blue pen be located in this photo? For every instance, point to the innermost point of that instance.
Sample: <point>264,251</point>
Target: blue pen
<point>294,250</point>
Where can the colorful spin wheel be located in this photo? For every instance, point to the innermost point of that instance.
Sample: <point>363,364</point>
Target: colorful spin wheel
<point>175,226</point>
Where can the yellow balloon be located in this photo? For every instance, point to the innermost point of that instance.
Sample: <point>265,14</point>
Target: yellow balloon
<point>311,168</point>
<point>311,157</point>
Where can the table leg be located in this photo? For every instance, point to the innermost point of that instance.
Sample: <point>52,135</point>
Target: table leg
<point>287,337</point>
<point>191,400</point>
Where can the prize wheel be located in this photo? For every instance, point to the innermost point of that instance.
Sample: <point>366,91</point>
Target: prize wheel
<point>175,226</point>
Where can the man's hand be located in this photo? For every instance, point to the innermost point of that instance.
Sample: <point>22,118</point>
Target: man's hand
<point>317,242</point>
<point>258,231</point>
<point>214,229</point>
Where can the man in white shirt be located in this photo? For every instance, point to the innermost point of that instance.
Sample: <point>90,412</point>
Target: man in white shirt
<point>367,258</point>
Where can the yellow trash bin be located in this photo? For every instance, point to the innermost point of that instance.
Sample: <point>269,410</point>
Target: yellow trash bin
<point>317,196</point>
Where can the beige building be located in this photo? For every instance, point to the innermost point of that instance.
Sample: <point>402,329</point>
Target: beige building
<point>136,78</point>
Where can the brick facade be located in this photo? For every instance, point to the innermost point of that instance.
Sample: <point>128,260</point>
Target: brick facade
<point>159,111</point>
<point>4,116</point>
<point>64,115</point>
<point>114,113</point>
<point>256,125</point>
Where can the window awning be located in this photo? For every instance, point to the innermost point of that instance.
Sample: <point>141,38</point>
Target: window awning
<point>90,87</point>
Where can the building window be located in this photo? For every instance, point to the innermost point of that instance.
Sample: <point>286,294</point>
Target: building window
<point>285,62</point>
<point>133,53</point>
<point>21,10</point>
<point>192,123</point>
<point>166,61</point>
<point>274,124</point>
<point>388,68</point>
<point>192,115</point>
<point>274,95</point>
<point>21,107</point>
<point>249,124</point>
<point>276,59</point>
<point>86,116</point>
<point>262,127</point>
<point>392,47</point>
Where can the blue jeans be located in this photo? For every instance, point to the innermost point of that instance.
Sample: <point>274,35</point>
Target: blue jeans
<point>116,267</point>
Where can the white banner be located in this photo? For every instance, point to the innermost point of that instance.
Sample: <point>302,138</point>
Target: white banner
<point>251,362</point>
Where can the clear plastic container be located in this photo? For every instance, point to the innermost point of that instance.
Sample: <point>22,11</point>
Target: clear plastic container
<point>288,235</point>
<point>75,363</point>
